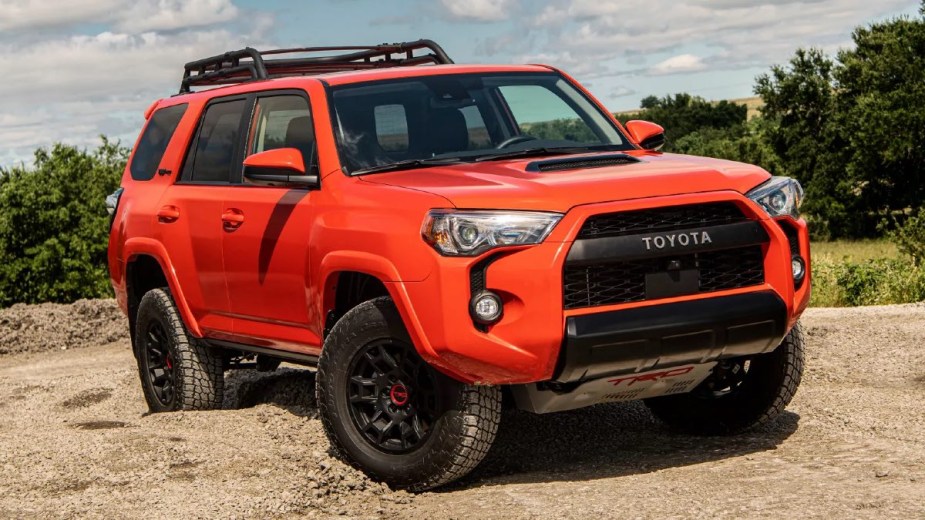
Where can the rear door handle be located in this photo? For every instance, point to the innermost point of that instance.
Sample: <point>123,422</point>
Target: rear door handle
<point>232,218</point>
<point>168,214</point>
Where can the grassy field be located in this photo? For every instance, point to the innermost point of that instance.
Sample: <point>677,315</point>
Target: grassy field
<point>853,250</point>
<point>865,272</point>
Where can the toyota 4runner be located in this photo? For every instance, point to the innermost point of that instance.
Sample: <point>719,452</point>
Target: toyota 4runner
<point>433,236</point>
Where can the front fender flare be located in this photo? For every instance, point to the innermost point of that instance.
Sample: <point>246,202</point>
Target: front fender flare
<point>386,272</point>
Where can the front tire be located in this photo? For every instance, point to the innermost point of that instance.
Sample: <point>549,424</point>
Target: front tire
<point>177,372</point>
<point>389,413</point>
<point>742,393</point>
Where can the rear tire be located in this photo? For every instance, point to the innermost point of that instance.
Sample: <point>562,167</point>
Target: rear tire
<point>741,393</point>
<point>389,413</point>
<point>177,372</point>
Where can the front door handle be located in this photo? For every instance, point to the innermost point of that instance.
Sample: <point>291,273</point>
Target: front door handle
<point>232,218</point>
<point>168,214</point>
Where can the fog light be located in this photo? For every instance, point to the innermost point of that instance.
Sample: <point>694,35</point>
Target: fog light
<point>799,268</point>
<point>486,308</point>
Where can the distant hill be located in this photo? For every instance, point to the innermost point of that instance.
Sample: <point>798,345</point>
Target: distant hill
<point>754,105</point>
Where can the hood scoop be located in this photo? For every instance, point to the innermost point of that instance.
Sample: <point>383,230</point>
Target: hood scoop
<point>581,162</point>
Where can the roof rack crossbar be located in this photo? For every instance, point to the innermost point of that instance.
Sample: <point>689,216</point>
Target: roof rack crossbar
<point>228,68</point>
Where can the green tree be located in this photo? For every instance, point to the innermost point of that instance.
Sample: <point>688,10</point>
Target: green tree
<point>851,130</point>
<point>683,114</point>
<point>53,224</point>
<point>746,143</point>
<point>880,115</point>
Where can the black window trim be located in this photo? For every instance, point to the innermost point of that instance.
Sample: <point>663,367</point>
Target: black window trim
<point>237,161</point>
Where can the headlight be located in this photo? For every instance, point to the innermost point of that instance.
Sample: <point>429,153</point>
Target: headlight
<point>470,233</point>
<point>779,196</point>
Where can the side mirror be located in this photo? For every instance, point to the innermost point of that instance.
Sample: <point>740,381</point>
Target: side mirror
<point>650,136</point>
<point>280,167</point>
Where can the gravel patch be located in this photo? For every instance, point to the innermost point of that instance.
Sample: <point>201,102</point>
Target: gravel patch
<point>53,326</point>
<point>76,441</point>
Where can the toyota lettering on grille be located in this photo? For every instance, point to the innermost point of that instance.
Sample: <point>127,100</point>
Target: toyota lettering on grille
<point>675,240</point>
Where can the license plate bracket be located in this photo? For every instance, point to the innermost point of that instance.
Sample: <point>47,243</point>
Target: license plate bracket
<point>672,283</point>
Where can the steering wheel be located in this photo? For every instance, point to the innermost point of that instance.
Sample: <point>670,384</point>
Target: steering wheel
<point>514,140</point>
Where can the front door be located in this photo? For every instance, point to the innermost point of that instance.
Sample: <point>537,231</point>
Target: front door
<point>266,247</point>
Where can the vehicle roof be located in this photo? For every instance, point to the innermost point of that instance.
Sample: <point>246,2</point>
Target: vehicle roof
<point>350,77</point>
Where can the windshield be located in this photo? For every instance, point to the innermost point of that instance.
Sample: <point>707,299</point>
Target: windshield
<point>414,122</point>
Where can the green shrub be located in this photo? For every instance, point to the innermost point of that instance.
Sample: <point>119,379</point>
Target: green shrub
<point>909,236</point>
<point>53,224</point>
<point>877,281</point>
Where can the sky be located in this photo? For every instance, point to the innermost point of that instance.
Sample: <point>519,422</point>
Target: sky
<point>75,69</point>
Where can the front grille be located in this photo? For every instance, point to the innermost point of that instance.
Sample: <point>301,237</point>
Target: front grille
<point>624,282</point>
<point>661,219</point>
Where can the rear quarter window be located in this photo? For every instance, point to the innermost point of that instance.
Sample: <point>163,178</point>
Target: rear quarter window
<point>154,141</point>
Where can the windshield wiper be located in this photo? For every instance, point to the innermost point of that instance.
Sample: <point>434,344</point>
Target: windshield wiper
<point>407,165</point>
<point>538,152</point>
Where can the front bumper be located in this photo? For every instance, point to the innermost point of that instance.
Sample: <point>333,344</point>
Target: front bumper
<point>539,340</point>
<point>672,334</point>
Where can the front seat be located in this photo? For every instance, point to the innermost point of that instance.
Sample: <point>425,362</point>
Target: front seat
<point>446,131</point>
<point>301,136</point>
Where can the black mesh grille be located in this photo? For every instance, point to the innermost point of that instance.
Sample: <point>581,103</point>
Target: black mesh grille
<point>661,219</point>
<point>574,164</point>
<point>624,282</point>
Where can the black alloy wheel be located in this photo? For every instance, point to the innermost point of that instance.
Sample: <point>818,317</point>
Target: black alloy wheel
<point>160,364</point>
<point>740,394</point>
<point>393,396</point>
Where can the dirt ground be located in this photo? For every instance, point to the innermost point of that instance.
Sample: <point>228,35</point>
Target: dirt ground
<point>75,441</point>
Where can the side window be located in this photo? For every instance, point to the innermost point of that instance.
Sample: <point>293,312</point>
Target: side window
<point>216,145</point>
<point>283,122</point>
<point>154,140</point>
<point>544,115</point>
<point>391,127</point>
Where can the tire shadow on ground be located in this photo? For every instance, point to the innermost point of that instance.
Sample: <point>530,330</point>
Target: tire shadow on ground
<point>602,441</point>
<point>609,440</point>
<point>288,388</point>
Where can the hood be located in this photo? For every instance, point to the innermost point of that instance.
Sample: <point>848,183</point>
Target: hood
<point>509,185</point>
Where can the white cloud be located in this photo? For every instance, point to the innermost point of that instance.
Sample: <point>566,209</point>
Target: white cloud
<point>620,91</point>
<point>38,14</point>
<point>551,15</point>
<point>136,17</point>
<point>479,10</point>
<point>166,15</point>
<point>742,32</point>
<point>73,87</point>
<point>678,64</point>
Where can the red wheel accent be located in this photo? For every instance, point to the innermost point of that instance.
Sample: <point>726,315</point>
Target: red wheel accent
<point>399,394</point>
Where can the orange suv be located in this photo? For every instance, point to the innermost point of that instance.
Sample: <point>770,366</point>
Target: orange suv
<point>433,236</point>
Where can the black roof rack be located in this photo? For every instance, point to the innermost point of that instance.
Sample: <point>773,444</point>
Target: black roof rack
<point>249,64</point>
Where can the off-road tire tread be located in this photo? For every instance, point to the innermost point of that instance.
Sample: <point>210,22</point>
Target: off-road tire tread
<point>458,450</point>
<point>200,368</point>
<point>675,410</point>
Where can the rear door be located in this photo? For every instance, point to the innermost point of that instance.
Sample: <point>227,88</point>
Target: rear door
<point>266,252</point>
<point>189,218</point>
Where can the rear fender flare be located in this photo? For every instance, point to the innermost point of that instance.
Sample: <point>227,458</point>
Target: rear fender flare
<point>145,246</point>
